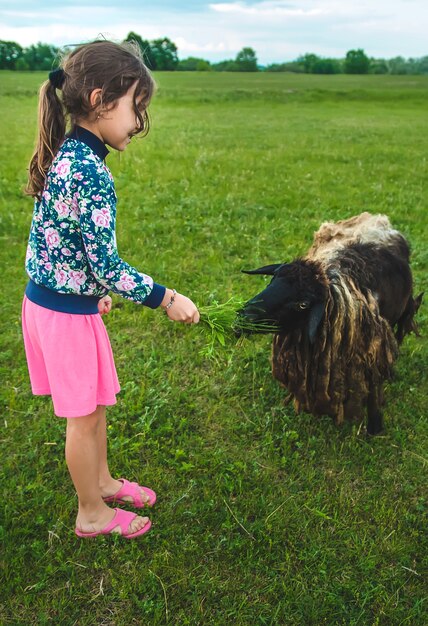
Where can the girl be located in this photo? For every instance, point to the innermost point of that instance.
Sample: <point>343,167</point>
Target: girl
<point>72,262</point>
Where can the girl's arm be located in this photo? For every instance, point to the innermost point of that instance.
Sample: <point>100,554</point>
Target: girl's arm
<point>96,202</point>
<point>97,215</point>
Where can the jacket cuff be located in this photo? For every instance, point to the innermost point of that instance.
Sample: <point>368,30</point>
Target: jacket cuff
<point>155,297</point>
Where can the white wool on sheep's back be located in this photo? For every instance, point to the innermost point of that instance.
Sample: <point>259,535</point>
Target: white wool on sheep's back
<point>334,236</point>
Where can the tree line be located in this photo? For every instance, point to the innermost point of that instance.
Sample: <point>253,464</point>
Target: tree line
<point>161,54</point>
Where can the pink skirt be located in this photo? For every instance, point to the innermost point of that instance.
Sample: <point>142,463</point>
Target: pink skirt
<point>70,358</point>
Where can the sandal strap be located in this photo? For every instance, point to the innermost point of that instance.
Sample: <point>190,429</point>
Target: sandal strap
<point>122,519</point>
<point>132,490</point>
<point>129,489</point>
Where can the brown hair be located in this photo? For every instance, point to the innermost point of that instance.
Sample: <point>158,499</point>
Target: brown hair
<point>105,65</point>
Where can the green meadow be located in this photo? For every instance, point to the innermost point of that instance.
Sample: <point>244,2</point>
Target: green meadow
<point>264,517</point>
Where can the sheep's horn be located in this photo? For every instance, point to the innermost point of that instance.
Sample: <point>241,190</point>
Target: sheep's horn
<point>268,270</point>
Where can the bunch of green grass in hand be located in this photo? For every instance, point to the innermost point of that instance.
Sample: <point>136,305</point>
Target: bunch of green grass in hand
<point>220,324</point>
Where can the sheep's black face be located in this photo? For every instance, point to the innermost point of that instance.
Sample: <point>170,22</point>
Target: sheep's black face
<point>293,299</point>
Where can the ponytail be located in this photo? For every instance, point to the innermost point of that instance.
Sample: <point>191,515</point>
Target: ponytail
<point>52,126</point>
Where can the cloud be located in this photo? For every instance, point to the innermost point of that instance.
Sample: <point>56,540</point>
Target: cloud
<point>333,10</point>
<point>264,9</point>
<point>189,47</point>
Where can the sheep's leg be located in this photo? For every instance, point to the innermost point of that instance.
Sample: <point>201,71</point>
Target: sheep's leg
<point>374,413</point>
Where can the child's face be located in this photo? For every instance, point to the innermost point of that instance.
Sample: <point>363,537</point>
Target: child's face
<point>116,126</point>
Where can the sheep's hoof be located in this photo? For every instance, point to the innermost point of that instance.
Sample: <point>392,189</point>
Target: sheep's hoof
<point>374,428</point>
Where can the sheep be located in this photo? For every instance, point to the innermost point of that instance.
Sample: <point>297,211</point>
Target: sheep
<point>338,315</point>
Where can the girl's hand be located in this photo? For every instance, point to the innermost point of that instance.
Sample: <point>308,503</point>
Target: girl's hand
<point>104,305</point>
<point>181,310</point>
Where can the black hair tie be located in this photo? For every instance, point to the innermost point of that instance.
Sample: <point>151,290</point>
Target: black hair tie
<point>57,78</point>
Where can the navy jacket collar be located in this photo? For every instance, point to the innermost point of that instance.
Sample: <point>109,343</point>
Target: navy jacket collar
<point>91,140</point>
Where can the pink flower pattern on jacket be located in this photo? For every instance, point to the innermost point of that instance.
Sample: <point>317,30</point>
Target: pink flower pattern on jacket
<point>72,244</point>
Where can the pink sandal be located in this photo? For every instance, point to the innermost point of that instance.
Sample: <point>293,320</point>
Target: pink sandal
<point>132,490</point>
<point>122,519</point>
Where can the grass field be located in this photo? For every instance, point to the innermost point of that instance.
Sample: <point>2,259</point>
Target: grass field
<point>263,517</point>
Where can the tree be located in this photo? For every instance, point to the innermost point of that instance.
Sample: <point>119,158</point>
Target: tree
<point>21,65</point>
<point>226,66</point>
<point>10,52</point>
<point>308,61</point>
<point>164,54</point>
<point>246,60</point>
<point>192,64</point>
<point>378,66</point>
<point>145,47</point>
<point>203,66</point>
<point>40,56</point>
<point>422,65</point>
<point>357,62</point>
<point>398,65</point>
<point>292,66</point>
<point>326,66</point>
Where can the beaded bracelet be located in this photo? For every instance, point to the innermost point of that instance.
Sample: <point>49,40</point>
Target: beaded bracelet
<point>171,302</point>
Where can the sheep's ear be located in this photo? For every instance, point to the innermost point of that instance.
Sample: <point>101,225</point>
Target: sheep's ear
<point>267,270</point>
<point>315,316</point>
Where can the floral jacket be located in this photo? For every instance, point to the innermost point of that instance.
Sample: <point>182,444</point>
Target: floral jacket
<point>72,245</point>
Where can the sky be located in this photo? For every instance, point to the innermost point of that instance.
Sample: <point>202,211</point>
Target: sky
<point>278,30</point>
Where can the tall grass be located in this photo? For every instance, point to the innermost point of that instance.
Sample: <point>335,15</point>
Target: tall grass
<point>263,517</point>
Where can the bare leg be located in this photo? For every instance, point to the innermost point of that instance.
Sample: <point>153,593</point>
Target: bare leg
<point>108,485</point>
<point>83,458</point>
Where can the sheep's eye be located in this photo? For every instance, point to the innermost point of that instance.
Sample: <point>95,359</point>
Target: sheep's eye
<point>303,305</point>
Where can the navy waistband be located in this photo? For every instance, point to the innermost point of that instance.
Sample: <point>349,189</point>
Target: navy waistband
<point>62,302</point>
